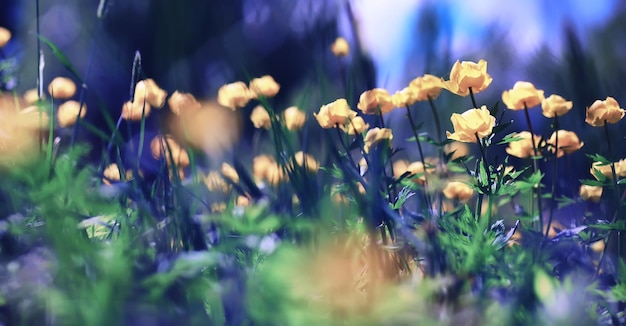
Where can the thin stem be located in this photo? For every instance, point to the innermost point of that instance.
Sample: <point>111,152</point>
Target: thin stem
<point>440,148</point>
<point>615,187</point>
<point>471,92</point>
<point>536,189</point>
<point>554,176</point>
<point>487,186</point>
<point>436,117</point>
<point>421,152</point>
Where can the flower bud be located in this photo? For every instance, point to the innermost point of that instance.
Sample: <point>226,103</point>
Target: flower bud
<point>62,88</point>
<point>68,113</point>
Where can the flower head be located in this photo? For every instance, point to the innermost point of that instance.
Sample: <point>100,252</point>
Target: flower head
<point>340,47</point>
<point>260,118</point>
<point>355,126</point>
<point>304,159</point>
<point>471,123</point>
<point>467,74</point>
<point>264,86</point>
<point>31,96</point>
<point>230,173</point>
<point>375,136</point>
<point>590,193</point>
<point>404,97</point>
<point>427,86</point>
<point>113,173</point>
<point>522,95</point>
<point>33,118</point>
<point>214,182</point>
<point>169,149</point>
<point>294,118</point>
<point>418,168</point>
<point>604,169</point>
<point>182,103</point>
<point>5,36</point>
<point>234,95</point>
<point>456,150</point>
<point>375,99</point>
<point>62,88</point>
<point>153,94</point>
<point>134,110</point>
<point>68,113</point>
<point>458,190</point>
<point>568,142</point>
<point>620,168</point>
<point>335,113</point>
<point>523,148</point>
<point>604,111</point>
<point>555,105</point>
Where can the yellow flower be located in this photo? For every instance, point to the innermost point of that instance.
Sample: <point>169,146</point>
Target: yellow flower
<point>215,182</point>
<point>373,100</point>
<point>260,166</point>
<point>417,167</point>
<point>264,86</point>
<point>133,111</point>
<point>404,97</point>
<point>601,111</point>
<point>458,190</point>
<point>427,86</point>
<point>340,47</point>
<point>335,113</point>
<point>605,169</point>
<point>523,95</point>
<point>68,112</point>
<point>160,145</point>
<point>303,159</point>
<point>234,95</point>
<point>568,142</point>
<point>555,105</point>
<point>31,96</point>
<point>153,94</point>
<point>182,103</point>
<point>591,193</point>
<point>275,174</point>
<point>375,136</point>
<point>242,201</point>
<point>356,126</point>
<point>523,148</point>
<point>5,36</point>
<point>260,118</point>
<point>112,173</point>
<point>620,168</point>
<point>294,118</point>
<point>471,123</point>
<point>33,118</point>
<point>19,135</point>
<point>468,74</point>
<point>456,150</point>
<point>62,88</point>
<point>230,173</point>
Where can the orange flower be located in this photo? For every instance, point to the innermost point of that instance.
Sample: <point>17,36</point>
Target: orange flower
<point>467,74</point>
<point>335,113</point>
<point>113,173</point>
<point>604,111</point>
<point>340,47</point>
<point>426,86</point>
<point>471,123</point>
<point>5,36</point>
<point>523,148</point>
<point>233,96</point>
<point>230,173</point>
<point>261,165</point>
<point>183,102</point>
<point>404,97</point>
<point>264,86</point>
<point>303,159</point>
<point>523,95</point>
<point>590,193</point>
<point>260,118</point>
<point>68,112</point>
<point>458,190</point>
<point>375,136</point>
<point>555,105</point>
<point>620,168</point>
<point>373,100</point>
<point>605,169</point>
<point>62,88</point>
<point>33,118</point>
<point>160,145</point>
<point>215,182</point>
<point>417,167</point>
<point>356,126</point>
<point>133,110</point>
<point>31,96</point>
<point>149,90</point>
<point>568,142</point>
<point>294,118</point>
<point>456,149</point>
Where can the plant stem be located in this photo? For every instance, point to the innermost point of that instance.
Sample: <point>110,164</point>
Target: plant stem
<point>615,188</point>
<point>421,152</point>
<point>554,176</point>
<point>471,92</point>
<point>536,188</point>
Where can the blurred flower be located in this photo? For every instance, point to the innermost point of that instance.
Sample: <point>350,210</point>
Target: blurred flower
<point>601,111</point>
<point>375,136</point>
<point>568,142</point>
<point>399,168</point>
<point>5,36</point>
<point>362,165</point>
<point>373,100</point>
<point>218,207</point>
<point>458,190</point>
<point>113,173</point>
<point>523,95</point>
<point>417,168</point>
<point>149,90</point>
<point>590,193</point>
<point>355,126</point>
<point>17,143</point>
<point>133,111</point>
<point>605,169</point>
<point>181,174</point>
<point>403,98</point>
<point>303,159</point>
<point>555,105</point>
<point>260,166</point>
<point>242,201</point>
<point>456,149</point>
<point>183,103</point>
<point>340,47</point>
<point>62,88</point>
<point>260,118</point>
<point>230,173</point>
<point>468,74</point>
<point>275,174</point>
<point>523,148</point>
<point>471,123</point>
<point>335,113</point>
<point>294,118</point>
<point>68,112</point>
<point>33,118</point>
<point>31,96</point>
<point>598,246</point>
<point>173,151</point>
<point>620,168</point>
<point>264,86</point>
<point>426,86</point>
<point>233,96</point>
<point>214,182</point>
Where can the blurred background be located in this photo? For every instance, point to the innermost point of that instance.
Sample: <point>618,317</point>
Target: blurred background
<point>573,48</point>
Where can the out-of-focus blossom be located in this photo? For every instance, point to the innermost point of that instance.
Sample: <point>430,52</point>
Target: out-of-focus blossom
<point>264,86</point>
<point>5,36</point>
<point>607,111</point>
<point>169,149</point>
<point>18,144</point>
<point>62,88</point>
<point>215,182</point>
<point>620,168</point>
<point>260,118</point>
<point>456,150</point>
<point>458,190</point>
<point>375,136</point>
<point>31,96</point>
<point>230,173</point>
<point>404,97</point>
<point>260,166</point>
<point>234,95</point>
<point>555,105</point>
<point>306,160</point>
<point>335,113</point>
<point>153,94</point>
<point>471,123</point>
<point>355,126</point>
<point>590,193</point>
<point>467,74</point>
<point>522,95</point>
<point>417,168</point>
<point>426,86</point>
<point>294,118</point>
<point>112,173</point>
<point>605,169</point>
<point>523,148</point>
<point>242,201</point>
<point>568,142</point>
<point>340,47</point>
<point>133,111</point>
<point>183,103</point>
<point>34,118</point>
<point>375,99</point>
<point>68,113</point>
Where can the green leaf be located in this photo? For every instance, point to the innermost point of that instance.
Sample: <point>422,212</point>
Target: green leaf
<point>590,182</point>
<point>509,139</point>
<point>61,57</point>
<point>599,158</point>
